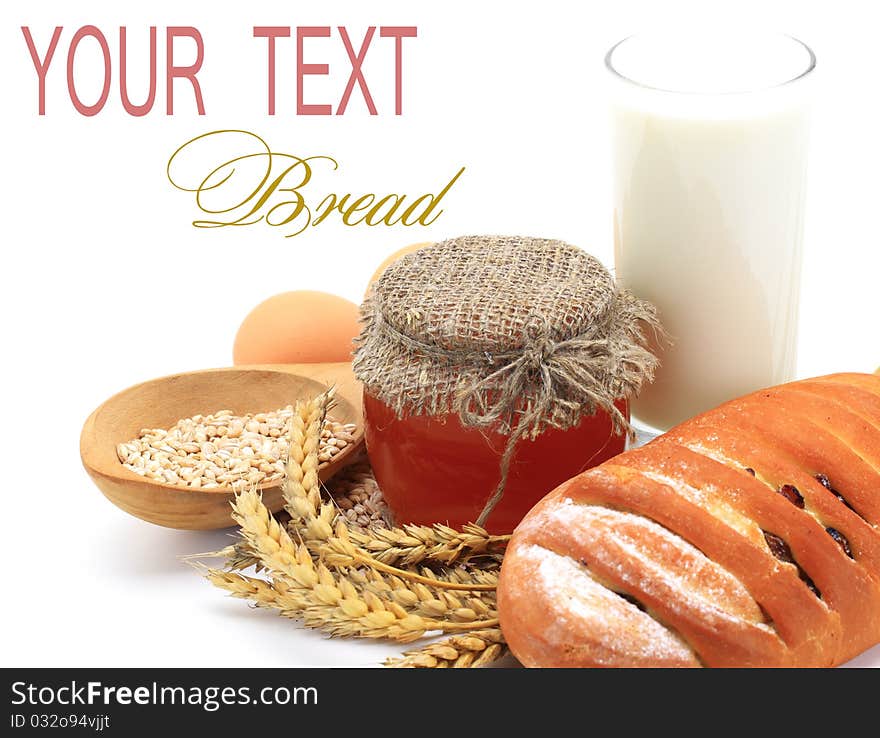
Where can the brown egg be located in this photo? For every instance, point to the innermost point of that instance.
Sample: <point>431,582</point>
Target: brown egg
<point>302,327</point>
<point>391,258</point>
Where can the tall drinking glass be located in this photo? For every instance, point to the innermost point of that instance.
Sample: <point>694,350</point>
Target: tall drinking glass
<point>709,146</point>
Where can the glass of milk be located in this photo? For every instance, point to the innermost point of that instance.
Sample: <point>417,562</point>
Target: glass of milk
<point>709,146</point>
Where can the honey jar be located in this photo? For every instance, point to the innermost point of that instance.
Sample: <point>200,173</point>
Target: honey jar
<point>494,369</point>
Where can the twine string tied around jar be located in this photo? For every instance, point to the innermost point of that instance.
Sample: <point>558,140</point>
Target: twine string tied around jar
<point>542,373</point>
<point>512,334</point>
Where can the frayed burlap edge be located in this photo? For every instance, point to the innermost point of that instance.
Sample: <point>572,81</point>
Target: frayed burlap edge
<point>545,383</point>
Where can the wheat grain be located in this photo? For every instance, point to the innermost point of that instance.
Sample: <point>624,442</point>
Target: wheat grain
<point>492,653</point>
<point>359,499</point>
<point>225,450</point>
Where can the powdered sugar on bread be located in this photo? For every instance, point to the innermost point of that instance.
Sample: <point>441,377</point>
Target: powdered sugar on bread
<point>620,633</point>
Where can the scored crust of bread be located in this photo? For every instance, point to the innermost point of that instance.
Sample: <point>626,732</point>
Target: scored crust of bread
<point>746,536</point>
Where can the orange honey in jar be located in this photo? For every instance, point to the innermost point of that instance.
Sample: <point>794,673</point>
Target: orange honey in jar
<point>494,369</point>
<point>433,469</point>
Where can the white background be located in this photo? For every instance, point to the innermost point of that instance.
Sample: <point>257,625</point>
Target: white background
<point>105,283</point>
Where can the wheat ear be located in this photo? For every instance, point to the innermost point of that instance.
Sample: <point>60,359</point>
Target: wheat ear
<point>239,556</point>
<point>301,486</point>
<point>472,650</point>
<point>333,603</point>
<point>413,544</point>
<point>423,600</point>
<point>311,518</point>
<point>275,595</point>
<point>413,597</point>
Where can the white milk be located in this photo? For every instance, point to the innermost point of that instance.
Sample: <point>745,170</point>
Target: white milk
<point>708,194</point>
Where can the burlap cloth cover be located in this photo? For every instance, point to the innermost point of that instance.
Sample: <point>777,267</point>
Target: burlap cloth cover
<point>510,333</point>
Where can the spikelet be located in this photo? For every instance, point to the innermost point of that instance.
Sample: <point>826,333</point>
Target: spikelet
<point>329,601</point>
<point>473,650</point>
<point>345,581</point>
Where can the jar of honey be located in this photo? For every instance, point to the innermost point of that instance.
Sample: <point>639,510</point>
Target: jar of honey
<point>494,369</point>
<point>415,456</point>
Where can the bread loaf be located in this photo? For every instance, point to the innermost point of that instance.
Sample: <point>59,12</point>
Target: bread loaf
<point>746,536</point>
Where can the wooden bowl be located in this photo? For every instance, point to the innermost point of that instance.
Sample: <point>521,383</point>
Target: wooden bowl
<point>160,403</point>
